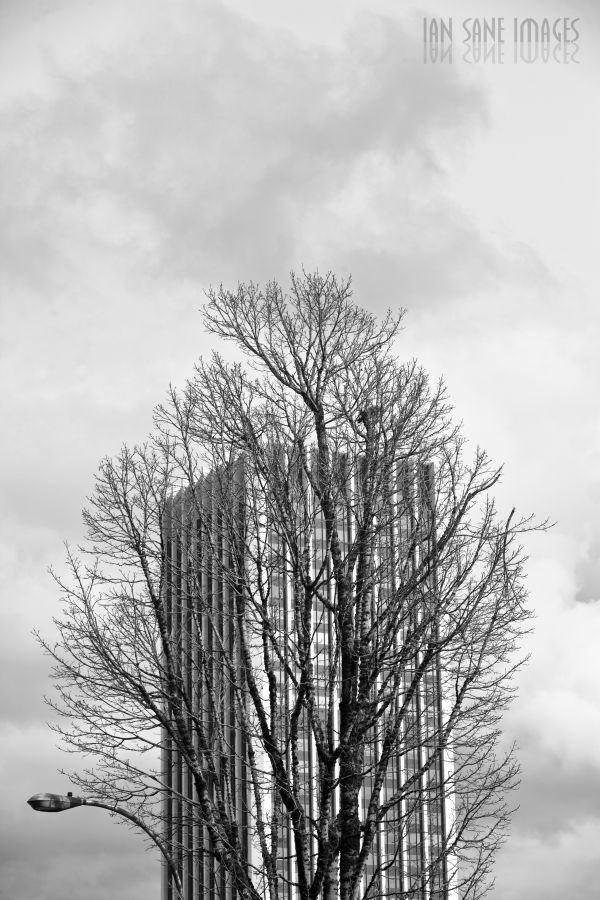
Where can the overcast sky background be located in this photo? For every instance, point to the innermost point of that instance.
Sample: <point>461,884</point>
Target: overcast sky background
<point>150,149</point>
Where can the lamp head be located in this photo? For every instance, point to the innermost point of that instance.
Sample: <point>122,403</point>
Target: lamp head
<point>54,802</point>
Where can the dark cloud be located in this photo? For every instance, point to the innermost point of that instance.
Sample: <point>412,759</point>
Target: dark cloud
<point>587,573</point>
<point>79,854</point>
<point>82,853</point>
<point>210,145</point>
<point>202,149</point>
<point>443,259</point>
<point>552,870</point>
<point>22,704</point>
<point>555,795</point>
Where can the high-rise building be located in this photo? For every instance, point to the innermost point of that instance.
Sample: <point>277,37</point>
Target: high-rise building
<point>233,599</point>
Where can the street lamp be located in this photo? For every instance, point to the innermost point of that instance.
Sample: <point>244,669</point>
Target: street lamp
<point>55,802</point>
<point>59,802</point>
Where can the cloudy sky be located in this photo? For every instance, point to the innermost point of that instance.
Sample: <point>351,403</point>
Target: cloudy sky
<point>151,149</point>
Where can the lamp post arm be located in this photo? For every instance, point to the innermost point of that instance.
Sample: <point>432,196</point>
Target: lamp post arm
<point>118,810</point>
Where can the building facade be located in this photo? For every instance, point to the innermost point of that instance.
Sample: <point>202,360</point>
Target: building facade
<point>233,548</point>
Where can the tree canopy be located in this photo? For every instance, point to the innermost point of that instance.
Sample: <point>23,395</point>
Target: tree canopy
<point>302,565</point>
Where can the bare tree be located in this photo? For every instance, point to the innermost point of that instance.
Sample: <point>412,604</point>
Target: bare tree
<point>291,636</point>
